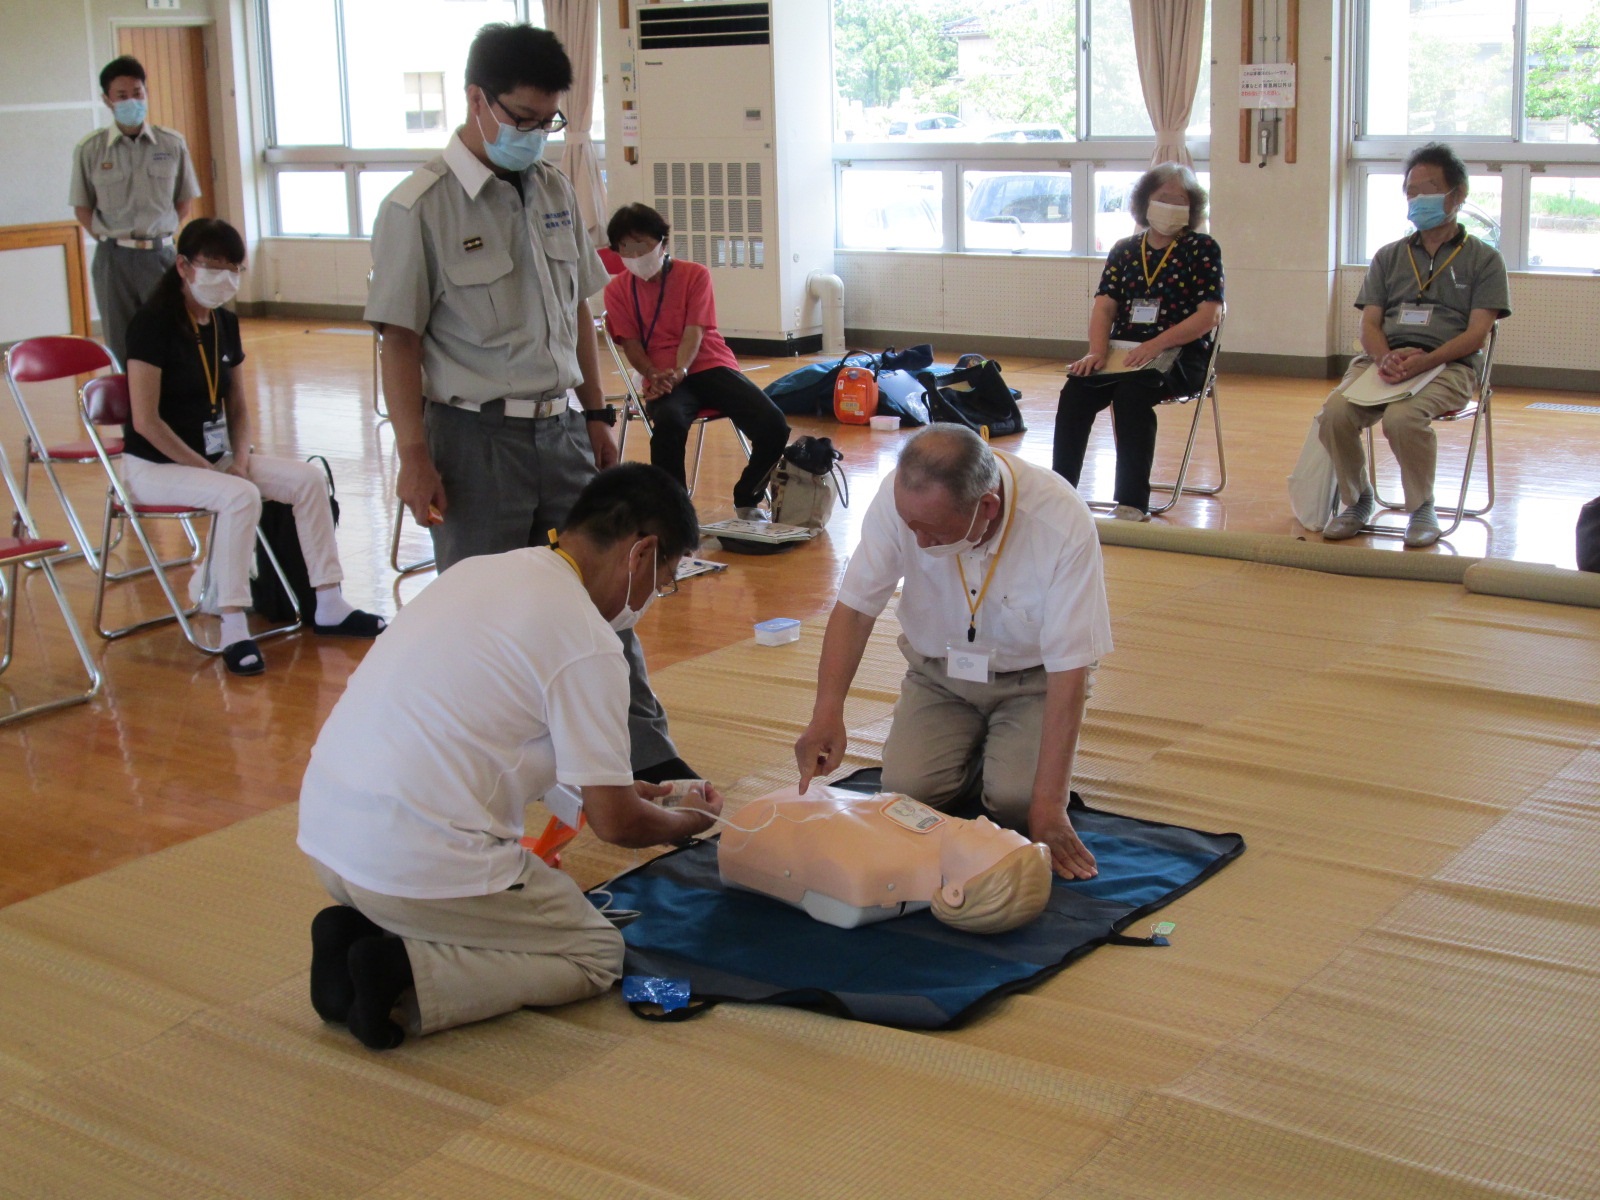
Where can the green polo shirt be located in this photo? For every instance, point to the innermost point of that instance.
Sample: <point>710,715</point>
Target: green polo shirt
<point>1463,275</point>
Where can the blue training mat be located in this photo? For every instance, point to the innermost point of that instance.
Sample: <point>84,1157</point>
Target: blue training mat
<point>912,971</point>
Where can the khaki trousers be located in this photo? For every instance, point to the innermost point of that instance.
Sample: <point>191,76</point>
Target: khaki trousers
<point>540,942</point>
<point>946,731</point>
<point>1408,424</point>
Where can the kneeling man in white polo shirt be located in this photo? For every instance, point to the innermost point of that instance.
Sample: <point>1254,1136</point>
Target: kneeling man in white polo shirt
<point>501,680</point>
<point>1003,616</point>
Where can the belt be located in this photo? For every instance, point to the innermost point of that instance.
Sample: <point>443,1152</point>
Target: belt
<point>140,243</point>
<point>521,408</point>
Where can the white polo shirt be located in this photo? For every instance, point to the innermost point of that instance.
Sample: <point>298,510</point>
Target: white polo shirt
<point>1047,602</point>
<point>498,681</point>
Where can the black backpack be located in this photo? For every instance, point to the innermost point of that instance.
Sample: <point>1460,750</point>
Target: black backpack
<point>1589,536</point>
<point>976,396</point>
<point>277,526</point>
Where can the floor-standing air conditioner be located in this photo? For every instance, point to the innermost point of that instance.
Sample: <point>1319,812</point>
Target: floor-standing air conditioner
<point>735,138</point>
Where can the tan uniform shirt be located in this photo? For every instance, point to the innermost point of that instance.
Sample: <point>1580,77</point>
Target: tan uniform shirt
<point>134,184</point>
<point>491,282</point>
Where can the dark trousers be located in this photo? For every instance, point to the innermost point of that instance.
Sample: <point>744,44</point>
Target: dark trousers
<point>742,402</point>
<point>1132,397</point>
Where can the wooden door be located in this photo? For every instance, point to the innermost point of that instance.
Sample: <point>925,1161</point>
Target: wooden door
<point>174,58</point>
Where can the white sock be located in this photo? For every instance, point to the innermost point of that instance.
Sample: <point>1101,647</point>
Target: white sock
<point>235,628</point>
<point>332,607</point>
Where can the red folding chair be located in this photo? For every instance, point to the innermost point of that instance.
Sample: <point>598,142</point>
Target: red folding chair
<point>42,360</point>
<point>633,408</point>
<point>29,548</point>
<point>104,401</point>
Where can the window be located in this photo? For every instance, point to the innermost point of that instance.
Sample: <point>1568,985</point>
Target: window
<point>359,93</point>
<point>1027,71</point>
<point>1006,128</point>
<point>1511,84</point>
<point>424,101</point>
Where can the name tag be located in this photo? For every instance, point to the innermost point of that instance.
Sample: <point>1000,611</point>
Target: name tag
<point>1416,314</point>
<point>1144,312</point>
<point>216,434</point>
<point>968,661</point>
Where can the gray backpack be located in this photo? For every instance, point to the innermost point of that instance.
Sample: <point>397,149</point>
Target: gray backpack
<point>806,482</point>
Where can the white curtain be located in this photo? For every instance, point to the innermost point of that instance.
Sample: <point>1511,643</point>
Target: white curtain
<point>577,24</point>
<point>1167,35</point>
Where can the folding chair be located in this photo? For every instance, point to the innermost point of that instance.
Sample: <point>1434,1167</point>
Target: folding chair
<point>41,552</point>
<point>1476,409</point>
<point>1206,391</point>
<point>418,564</point>
<point>40,360</point>
<point>633,408</point>
<point>382,411</point>
<point>104,401</point>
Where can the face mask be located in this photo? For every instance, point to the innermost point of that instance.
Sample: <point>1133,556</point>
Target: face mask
<point>213,286</point>
<point>951,549</point>
<point>628,617</point>
<point>129,112</point>
<point>648,263</point>
<point>1167,219</point>
<point>514,149</point>
<point>1426,212</point>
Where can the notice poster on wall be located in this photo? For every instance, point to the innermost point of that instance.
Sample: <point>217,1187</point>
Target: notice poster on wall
<point>1266,85</point>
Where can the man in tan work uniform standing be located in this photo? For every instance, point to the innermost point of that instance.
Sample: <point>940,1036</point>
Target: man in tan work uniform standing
<point>132,187</point>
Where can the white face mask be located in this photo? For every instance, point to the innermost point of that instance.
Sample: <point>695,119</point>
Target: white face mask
<point>951,549</point>
<point>213,287</point>
<point>648,263</point>
<point>1167,219</point>
<point>628,617</point>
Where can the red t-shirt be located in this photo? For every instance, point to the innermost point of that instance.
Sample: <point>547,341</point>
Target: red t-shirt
<point>636,308</point>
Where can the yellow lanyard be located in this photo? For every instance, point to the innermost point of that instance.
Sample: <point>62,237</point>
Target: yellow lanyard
<point>212,374</point>
<point>1144,261</point>
<point>1422,288</point>
<point>572,562</point>
<point>966,593</point>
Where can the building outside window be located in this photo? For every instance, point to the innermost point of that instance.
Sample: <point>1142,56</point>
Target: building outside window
<point>424,101</point>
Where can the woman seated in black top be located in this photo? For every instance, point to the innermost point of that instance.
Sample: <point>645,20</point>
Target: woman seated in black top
<point>189,440</point>
<point>1162,289</point>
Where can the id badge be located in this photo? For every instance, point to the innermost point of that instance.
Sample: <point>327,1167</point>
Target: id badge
<point>1416,314</point>
<point>216,433</point>
<point>1144,312</point>
<point>969,661</point>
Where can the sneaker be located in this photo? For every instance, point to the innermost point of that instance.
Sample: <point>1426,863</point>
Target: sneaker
<point>1348,523</point>
<point>1127,512</point>
<point>1423,528</point>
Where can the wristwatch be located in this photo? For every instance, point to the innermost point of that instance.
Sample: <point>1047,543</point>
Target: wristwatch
<point>608,414</point>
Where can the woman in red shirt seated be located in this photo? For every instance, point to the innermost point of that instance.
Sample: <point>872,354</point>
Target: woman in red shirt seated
<point>662,314</point>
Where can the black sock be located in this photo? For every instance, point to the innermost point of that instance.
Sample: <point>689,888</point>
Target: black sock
<point>333,931</point>
<point>380,971</point>
<point>673,768</point>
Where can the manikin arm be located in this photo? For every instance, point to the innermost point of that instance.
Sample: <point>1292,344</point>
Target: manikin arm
<point>1064,696</point>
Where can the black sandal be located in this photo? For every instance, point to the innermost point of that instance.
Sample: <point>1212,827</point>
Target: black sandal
<point>357,625</point>
<point>244,657</point>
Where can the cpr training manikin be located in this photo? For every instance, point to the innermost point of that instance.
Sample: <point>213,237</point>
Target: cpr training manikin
<point>848,860</point>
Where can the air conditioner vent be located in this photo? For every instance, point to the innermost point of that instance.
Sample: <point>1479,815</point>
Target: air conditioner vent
<point>705,25</point>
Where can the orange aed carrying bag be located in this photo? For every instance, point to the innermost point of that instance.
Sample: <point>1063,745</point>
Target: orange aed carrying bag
<point>855,395</point>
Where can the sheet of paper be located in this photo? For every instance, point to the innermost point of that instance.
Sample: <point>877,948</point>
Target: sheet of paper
<point>1118,359</point>
<point>1368,388</point>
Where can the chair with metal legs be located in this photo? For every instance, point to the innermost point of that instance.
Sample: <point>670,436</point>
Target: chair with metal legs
<point>26,546</point>
<point>104,401</point>
<point>1477,410</point>
<point>381,409</point>
<point>1206,391</point>
<point>633,408</point>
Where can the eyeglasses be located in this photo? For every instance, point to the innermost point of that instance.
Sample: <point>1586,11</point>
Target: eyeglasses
<point>553,124</point>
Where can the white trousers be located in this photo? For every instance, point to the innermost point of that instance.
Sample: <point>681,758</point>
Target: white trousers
<point>237,503</point>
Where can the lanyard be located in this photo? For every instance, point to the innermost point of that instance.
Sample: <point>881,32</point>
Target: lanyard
<point>213,375</point>
<point>571,562</point>
<point>661,298</point>
<point>1144,262</point>
<point>1422,288</point>
<point>966,593</point>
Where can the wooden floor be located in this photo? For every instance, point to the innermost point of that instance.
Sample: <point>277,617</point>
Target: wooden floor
<point>174,747</point>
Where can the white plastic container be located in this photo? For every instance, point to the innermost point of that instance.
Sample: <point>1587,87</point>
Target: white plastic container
<point>778,631</point>
<point>886,423</point>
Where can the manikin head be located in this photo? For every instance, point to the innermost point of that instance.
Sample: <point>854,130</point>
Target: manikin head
<point>994,879</point>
